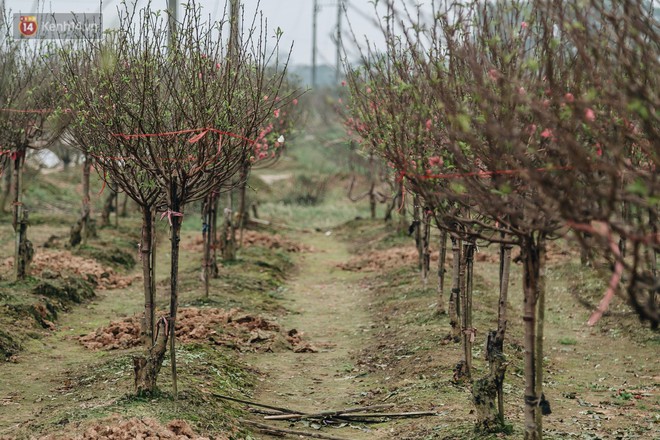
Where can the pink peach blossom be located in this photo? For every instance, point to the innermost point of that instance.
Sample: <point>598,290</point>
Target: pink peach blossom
<point>523,25</point>
<point>436,161</point>
<point>547,134</point>
<point>569,97</point>
<point>429,123</point>
<point>276,112</point>
<point>589,115</point>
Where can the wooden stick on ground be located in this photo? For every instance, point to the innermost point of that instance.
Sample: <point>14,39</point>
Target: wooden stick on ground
<point>275,430</point>
<point>261,405</point>
<point>390,415</point>
<point>323,414</point>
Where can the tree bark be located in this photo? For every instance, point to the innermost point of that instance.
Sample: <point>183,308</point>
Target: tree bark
<point>242,205</point>
<point>372,200</point>
<point>455,289</point>
<point>531,255</point>
<point>228,233</point>
<point>146,250</point>
<point>86,211</point>
<point>176,205</point>
<point>401,202</point>
<point>497,364</point>
<point>210,268</point>
<point>6,189</point>
<point>417,222</point>
<point>487,392</point>
<point>426,250</point>
<point>441,272</point>
<point>25,249</point>
<point>468,333</point>
<point>540,321</point>
<point>124,206</point>
<point>108,205</point>
<point>146,368</point>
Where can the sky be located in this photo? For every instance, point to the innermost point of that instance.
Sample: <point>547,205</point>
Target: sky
<point>293,17</point>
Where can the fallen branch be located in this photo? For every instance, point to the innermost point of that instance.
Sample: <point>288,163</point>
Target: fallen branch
<point>261,405</point>
<point>324,414</point>
<point>275,430</point>
<point>391,415</point>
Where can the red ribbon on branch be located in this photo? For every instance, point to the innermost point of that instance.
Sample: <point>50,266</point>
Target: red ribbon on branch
<point>169,214</point>
<point>481,174</point>
<point>201,133</point>
<point>39,111</point>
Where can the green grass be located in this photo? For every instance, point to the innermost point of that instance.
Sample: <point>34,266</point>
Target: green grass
<point>104,389</point>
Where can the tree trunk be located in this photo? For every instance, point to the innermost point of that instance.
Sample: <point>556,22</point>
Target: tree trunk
<point>146,250</point>
<point>242,206</point>
<point>653,255</point>
<point>455,289</point>
<point>6,189</point>
<point>417,223</point>
<point>25,249</point>
<point>210,268</point>
<point>540,321</point>
<point>124,206</point>
<point>177,207</point>
<point>487,392</point>
<point>401,201</point>
<point>214,235</point>
<point>21,259</point>
<point>497,366</point>
<point>531,251</point>
<point>116,209</point>
<point>441,272</point>
<point>146,368</point>
<point>16,188</point>
<point>426,250</point>
<point>468,332</point>
<point>86,211</point>
<point>372,200</point>
<point>108,206</point>
<point>228,233</point>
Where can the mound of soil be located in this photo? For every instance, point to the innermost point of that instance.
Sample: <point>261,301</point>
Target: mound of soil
<point>59,264</point>
<point>134,429</point>
<point>231,328</point>
<point>384,259</point>
<point>256,238</point>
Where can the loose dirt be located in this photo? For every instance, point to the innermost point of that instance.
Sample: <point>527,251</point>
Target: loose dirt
<point>136,429</point>
<point>232,328</point>
<point>256,238</point>
<point>57,264</point>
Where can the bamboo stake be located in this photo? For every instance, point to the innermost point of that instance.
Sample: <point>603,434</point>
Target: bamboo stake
<point>390,415</point>
<point>260,405</point>
<point>322,414</point>
<point>273,429</point>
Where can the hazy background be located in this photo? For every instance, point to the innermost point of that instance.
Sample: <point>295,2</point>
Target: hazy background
<point>293,17</point>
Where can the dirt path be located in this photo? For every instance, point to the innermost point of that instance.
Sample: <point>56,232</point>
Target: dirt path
<point>328,305</point>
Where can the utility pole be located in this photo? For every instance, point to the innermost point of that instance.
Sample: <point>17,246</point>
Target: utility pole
<point>172,9</point>
<point>340,10</point>
<point>315,14</point>
<point>234,13</point>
